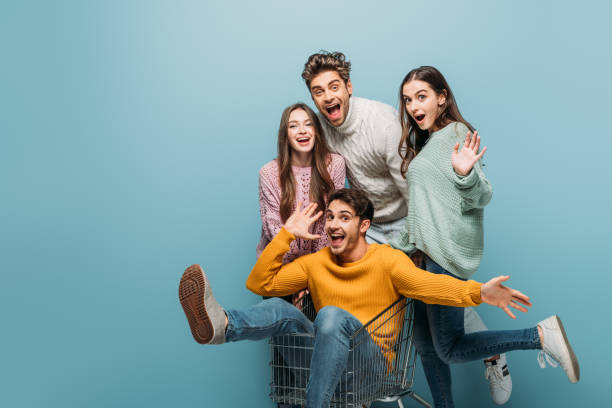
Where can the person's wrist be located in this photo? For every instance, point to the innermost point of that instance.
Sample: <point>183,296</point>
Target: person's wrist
<point>459,174</point>
<point>483,292</point>
<point>289,229</point>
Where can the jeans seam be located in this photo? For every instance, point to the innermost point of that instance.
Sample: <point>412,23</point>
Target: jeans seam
<point>231,331</point>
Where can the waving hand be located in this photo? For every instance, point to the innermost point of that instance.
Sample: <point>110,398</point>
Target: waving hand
<point>300,221</point>
<point>463,160</point>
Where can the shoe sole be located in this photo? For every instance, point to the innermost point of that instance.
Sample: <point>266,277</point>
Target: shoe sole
<point>573,372</point>
<point>192,291</point>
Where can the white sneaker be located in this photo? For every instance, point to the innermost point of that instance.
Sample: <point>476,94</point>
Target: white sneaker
<point>500,382</point>
<point>556,348</point>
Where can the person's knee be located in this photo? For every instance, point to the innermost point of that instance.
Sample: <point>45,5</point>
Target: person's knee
<point>330,320</point>
<point>423,345</point>
<point>283,308</point>
<point>277,303</point>
<point>444,352</point>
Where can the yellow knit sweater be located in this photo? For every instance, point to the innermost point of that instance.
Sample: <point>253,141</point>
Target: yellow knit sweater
<point>362,288</point>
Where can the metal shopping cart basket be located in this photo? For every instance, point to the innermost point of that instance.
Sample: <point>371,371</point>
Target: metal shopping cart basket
<point>364,380</point>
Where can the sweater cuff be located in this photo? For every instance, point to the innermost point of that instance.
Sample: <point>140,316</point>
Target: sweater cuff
<point>466,181</point>
<point>285,236</point>
<point>475,288</point>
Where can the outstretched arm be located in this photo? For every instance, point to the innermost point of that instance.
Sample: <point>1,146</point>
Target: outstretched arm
<point>432,288</point>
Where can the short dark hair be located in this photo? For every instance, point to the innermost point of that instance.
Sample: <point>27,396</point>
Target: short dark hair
<point>326,61</point>
<point>357,199</point>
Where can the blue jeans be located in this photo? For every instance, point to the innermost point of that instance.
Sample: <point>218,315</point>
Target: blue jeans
<point>332,330</point>
<point>440,338</point>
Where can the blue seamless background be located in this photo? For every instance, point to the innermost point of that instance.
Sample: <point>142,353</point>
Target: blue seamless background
<point>132,133</point>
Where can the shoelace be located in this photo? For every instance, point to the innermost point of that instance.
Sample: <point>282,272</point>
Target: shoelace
<point>494,373</point>
<point>544,357</point>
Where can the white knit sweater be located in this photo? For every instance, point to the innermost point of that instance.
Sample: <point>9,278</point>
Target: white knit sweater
<point>368,139</point>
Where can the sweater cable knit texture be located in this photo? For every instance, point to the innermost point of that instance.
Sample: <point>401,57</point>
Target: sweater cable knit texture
<point>368,140</point>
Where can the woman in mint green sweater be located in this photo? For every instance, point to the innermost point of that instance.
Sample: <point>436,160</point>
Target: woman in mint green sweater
<point>447,191</point>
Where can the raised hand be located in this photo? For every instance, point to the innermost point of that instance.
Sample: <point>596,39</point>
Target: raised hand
<point>300,221</point>
<point>496,294</point>
<point>463,160</point>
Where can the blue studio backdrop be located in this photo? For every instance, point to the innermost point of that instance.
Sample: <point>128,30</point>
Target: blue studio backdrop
<point>131,137</point>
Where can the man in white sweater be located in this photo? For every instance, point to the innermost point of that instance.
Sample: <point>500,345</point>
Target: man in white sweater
<point>367,133</point>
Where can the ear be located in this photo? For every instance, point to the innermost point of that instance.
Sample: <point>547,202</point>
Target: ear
<point>349,87</point>
<point>442,97</point>
<point>364,226</point>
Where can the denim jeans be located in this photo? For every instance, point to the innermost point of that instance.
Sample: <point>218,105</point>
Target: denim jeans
<point>332,330</point>
<point>440,338</point>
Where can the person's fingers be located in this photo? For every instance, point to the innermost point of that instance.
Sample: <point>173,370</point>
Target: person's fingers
<point>316,216</point>
<point>508,312</point>
<point>472,140</point>
<point>522,300</point>
<point>521,297</point>
<point>312,236</point>
<point>456,148</point>
<point>499,279</point>
<point>468,139</point>
<point>518,307</point>
<point>484,149</point>
<point>310,209</point>
<point>477,144</point>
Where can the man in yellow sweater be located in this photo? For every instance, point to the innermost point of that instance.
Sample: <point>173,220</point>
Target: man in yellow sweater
<point>350,282</point>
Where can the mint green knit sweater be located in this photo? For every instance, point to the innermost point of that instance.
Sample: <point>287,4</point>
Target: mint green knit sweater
<point>445,210</point>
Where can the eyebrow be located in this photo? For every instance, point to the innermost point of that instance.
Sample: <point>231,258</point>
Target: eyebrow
<point>416,93</point>
<point>339,212</point>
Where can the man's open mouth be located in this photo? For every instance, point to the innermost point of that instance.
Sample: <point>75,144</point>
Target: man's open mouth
<point>336,239</point>
<point>333,110</point>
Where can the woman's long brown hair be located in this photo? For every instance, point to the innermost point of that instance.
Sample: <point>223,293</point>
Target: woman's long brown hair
<point>321,185</point>
<point>413,138</point>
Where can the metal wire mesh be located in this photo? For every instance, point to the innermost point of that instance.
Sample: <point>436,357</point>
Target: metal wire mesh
<point>366,378</point>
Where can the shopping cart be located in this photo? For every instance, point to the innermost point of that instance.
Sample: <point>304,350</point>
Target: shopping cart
<point>364,380</point>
